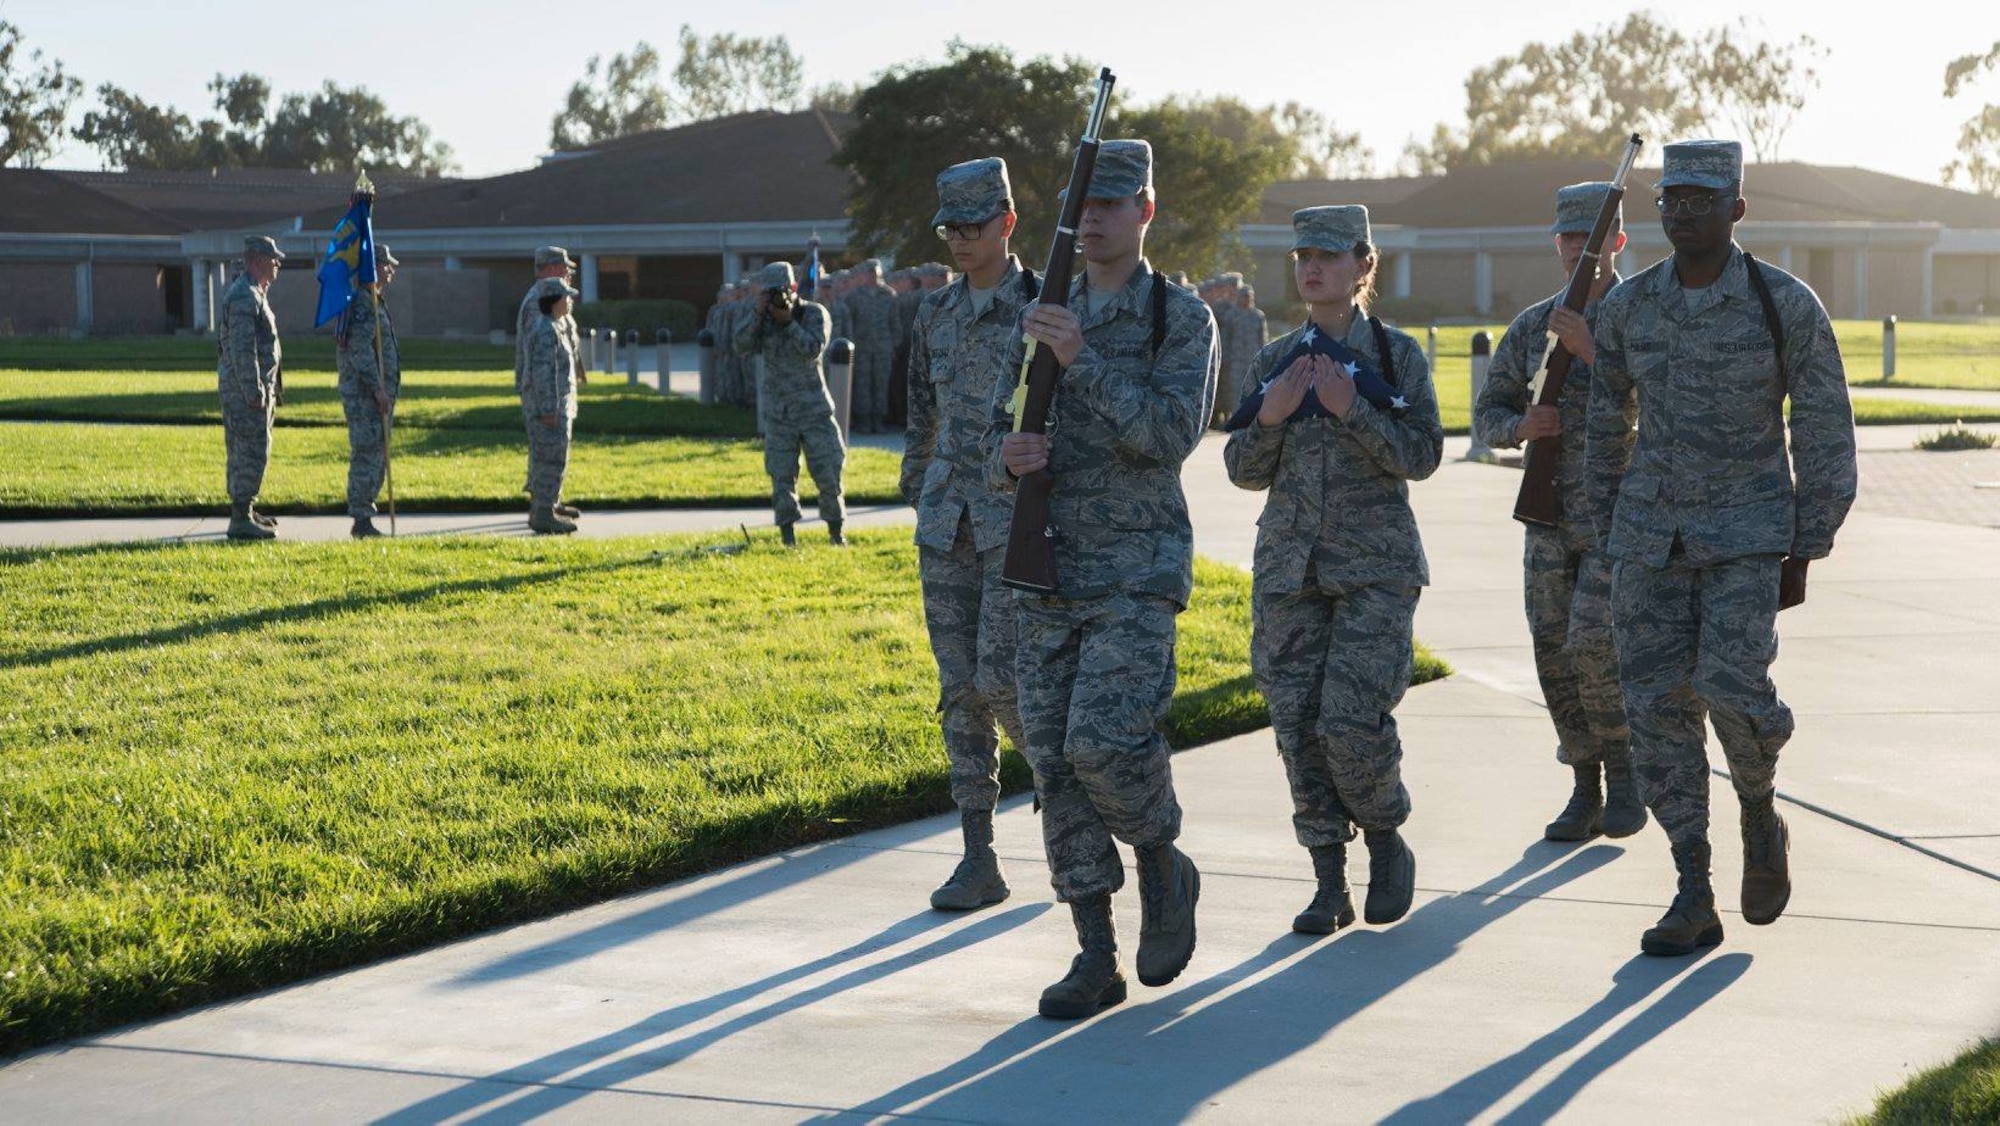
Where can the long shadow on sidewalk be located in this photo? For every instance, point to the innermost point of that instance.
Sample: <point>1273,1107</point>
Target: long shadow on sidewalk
<point>1204,1039</point>
<point>563,1077</point>
<point>1632,984</point>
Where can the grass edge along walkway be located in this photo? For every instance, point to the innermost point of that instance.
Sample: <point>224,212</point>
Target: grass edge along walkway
<point>1964,1090</point>
<point>168,858</point>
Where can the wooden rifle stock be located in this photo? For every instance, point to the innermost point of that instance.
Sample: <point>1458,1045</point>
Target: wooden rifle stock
<point>1537,502</point>
<point>1031,555</point>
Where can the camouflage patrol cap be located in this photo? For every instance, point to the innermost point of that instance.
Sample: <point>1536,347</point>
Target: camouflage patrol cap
<point>383,257</point>
<point>775,274</point>
<point>553,287</point>
<point>972,192</point>
<point>553,255</point>
<point>1702,164</point>
<point>1333,229</point>
<point>1577,206</point>
<point>1233,279</point>
<point>263,246</point>
<point>1124,169</point>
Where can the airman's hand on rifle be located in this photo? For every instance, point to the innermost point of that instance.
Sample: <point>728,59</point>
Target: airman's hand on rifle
<point>1574,332</point>
<point>1287,392</point>
<point>1056,327</point>
<point>548,420</point>
<point>1024,453</point>
<point>1791,583</point>
<point>1334,387</point>
<point>382,400</point>
<point>1540,422</point>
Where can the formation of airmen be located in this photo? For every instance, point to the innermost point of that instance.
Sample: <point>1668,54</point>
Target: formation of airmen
<point>1652,605</point>
<point>1686,525</point>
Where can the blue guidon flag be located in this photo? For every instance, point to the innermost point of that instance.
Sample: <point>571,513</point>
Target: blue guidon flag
<point>1367,381</point>
<point>350,259</point>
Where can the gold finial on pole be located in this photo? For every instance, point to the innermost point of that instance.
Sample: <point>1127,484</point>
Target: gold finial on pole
<point>363,184</point>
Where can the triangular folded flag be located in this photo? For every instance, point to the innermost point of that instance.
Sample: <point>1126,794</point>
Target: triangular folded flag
<point>1367,381</point>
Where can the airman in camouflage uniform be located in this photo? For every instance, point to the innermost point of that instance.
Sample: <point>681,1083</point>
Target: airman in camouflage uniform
<point>965,352</point>
<point>1567,581</point>
<point>1339,567</point>
<point>794,403</point>
<point>249,382</point>
<point>370,383</point>
<point>1095,660</point>
<point>871,309</point>
<point>550,262</point>
<point>548,403</point>
<point>1241,340</point>
<point>1710,527</point>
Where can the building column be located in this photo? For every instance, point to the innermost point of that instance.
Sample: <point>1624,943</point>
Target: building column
<point>1930,253</point>
<point>1785,258</point>
<point>587,274</point>
<point>1399,276</point>
<point>86,305</point>
<point>453,262</point>
<point>1861,282</point>
<point>1482,282</point>
<point>204,297</point>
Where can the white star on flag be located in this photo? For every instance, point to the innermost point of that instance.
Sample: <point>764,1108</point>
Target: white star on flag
<point>1400,403</point>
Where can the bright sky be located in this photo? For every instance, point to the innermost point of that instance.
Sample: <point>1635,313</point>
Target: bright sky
<point>487,75</point>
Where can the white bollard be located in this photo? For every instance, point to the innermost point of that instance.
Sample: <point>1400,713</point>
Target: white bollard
<point>1482,358</point>
<point>663,343</point>
<point>1889,347</point>
<point>705,348</point>
<point>1431,348</point>
<point>632,357</point>
<point>840,381</point>
<point>610,351</point>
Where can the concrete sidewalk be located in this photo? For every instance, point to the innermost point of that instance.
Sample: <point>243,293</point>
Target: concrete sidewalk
<point>816,984</point>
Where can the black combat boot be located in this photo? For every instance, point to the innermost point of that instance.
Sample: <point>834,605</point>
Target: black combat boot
<point>364,528</point>
<point>1094,983</point>
<point>1767,872</point>
<point>1169,886</point>
<point>241,527</point>
<point>833,533</point>
<point>1392,877</point>
<point>788,535</point>
<point>257,517</point>
<point>1332,906</point>
<point>1624,811</point>
<point>1690,922</point>
<point>978,881</point>
<point>1583,817</point>
<point>567,511</point>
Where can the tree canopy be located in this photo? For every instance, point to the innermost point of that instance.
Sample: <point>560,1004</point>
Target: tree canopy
<point>1582,96</point>
<point>331,129</point>
<point>1213,156</point>
<point>1978,162</point>
<point>712,77</point>
<point>35,98</point>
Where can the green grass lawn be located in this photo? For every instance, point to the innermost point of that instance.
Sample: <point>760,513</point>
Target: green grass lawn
<point>483,400</point>
<point>1966,1090</point>
<point>229,768</point>
<point>88,469</point>
<point>303,352</point>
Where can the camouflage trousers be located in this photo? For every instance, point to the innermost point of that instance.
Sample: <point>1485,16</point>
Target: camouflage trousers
<point>367,453</point>
<point>1695,639</point>
<point>970,616</point>
<point>246,437</point>
<point>808,426</point>
<point>870,398</point>
<point>548,459</point>
<point>1568,594</point>
<point>1095,677</point>
<point>1333,662</point>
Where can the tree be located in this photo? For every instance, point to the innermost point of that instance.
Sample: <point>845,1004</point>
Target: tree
<point>1978,162</point>
<point>721,75</point>
<point>1581,97</point>
<point>1213,157</point>
<point>1325,151</point>
<point>916,120</point>
<point>625,98</point>
<point>734,74</point>
<point>331,130</point>
<point>34,104</point>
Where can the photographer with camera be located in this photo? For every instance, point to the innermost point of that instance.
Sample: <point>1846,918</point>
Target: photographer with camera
<point>791,336</point>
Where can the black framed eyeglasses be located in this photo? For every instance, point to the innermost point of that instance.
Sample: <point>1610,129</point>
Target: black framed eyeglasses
<point>1692,205</point>
<point>963,232</point>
